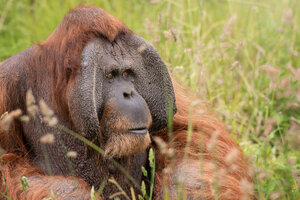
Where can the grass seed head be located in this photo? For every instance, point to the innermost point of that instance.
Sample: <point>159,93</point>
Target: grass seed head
<point>25,118</point>
<point>232,156</point>
<point>45,110</point>
<point>247,188</point>
<point>72,154</point>
<point>8,119</point>
<point>47,138</point>
<point>228,27</point>
<point>30,100</point>
<point>271,71</point>
<point>285,83</point>
<point>213,141</point>
<point>167,34</point>
<point>32,110</point>
<point>269,125</point>
<point>53,122</point>
<point>288,18</point>
<point>275,195</point>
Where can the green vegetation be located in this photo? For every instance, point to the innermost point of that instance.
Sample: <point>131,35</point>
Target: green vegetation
<point>239,55</point>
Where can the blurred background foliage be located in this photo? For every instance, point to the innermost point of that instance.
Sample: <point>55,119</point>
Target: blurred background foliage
<point>241,56</point>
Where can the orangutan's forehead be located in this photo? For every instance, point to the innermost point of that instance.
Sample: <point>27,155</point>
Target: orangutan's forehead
<point>110,55</point>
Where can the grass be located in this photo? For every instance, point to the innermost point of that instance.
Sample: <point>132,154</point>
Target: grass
<point>240,55</point>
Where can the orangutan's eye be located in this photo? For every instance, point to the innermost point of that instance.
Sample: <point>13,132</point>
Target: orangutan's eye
<point>110,75</point>
<point>125,74</point>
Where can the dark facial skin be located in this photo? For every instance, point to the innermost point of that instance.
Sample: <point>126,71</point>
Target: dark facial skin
<point>130,63</point>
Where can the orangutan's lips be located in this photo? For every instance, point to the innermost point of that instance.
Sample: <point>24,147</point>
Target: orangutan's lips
<point>140,131</point>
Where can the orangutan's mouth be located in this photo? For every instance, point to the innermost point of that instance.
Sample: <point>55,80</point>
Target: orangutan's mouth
<point>139,131</point>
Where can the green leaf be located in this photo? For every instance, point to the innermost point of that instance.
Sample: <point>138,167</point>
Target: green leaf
<point>3,115</point>
<point>143,188</point>
<point>93,194</point>
<point>24,183</point>
<point>151,158</point>
<point>145,173</point>
<point>152,165</point>
<point>140,197</point>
